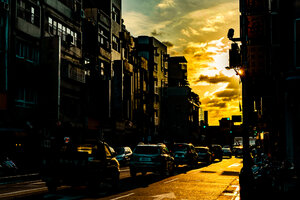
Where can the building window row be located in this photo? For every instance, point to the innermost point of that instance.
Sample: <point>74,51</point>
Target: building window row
<point>67,35</point>
<point>103,38</point>
<point>116,14</point>
<point>115,43</point>
<point>29,12</point>
<point>26,97</point>
<point>27,52</point>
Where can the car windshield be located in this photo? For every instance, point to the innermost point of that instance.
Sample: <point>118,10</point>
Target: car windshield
<point>180,147</point>
<point>226,149</point>
<point>147,150</point>
<point>120,151</point>
<point>201,150</point>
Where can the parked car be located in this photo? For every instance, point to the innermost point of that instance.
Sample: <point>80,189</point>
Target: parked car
<point>238,153</point>
<point>227,152</point>
<point>204,154</point>
<point>151,158</point>
<point>90,163</point>
<point>7,166</point>
<point>123,155</point>
<point>217,152</point>
<point>185,153</point>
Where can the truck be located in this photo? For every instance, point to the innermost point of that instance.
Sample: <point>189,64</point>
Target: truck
<point>90,163</point>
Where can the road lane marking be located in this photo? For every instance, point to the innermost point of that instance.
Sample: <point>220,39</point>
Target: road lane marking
<point>170,195</point>
<point>124,170</point>
<point>127,195</point>
<point>23,191</point>
<point>234,165</point>
<point>171,180</point>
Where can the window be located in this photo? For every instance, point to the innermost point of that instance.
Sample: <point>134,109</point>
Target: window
<point>144,54</point>
<point>115,43</point>
<point>26,97</point>
<point>27,51</point>
<point>115,14</point>
<point>29,12</point>
<point>103,38</point>
<point>57,28</point>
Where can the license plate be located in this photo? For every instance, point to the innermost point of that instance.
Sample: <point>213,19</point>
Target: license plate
<point>145,159</point>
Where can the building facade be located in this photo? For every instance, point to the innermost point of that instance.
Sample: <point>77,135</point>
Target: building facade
<point>269,50</point>
<point>156,54</point>
<point>180,110</point>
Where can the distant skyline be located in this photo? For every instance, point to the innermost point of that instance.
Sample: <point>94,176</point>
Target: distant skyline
<point>196,29</point>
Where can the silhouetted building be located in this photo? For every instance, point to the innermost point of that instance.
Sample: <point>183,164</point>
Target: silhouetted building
<point>180,106</point>
<point>270,59</point>
<point>177,71</point>
<point>156,54</point>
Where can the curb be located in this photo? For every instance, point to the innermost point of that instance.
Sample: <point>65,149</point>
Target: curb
<point>19,178</point>
<point>232,192</point>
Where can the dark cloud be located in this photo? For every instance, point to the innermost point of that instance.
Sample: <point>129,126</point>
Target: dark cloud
<point>190,50</point>
<point>234,84</point>
<point>228,94</point>
<point>155,33</point>
<point>219,103</point>
<point>214,79</point>
<point>168,44</point>
<point>207,56</point>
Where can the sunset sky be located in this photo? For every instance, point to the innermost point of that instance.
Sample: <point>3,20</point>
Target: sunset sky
<point>196,29</point>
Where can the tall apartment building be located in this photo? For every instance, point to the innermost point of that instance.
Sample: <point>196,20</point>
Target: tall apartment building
<point>98,59</point>
<point>43,83</point>
<point>180,110</point>
<point>156,54</point>
<point>269,35</point>
<point>63,100</point>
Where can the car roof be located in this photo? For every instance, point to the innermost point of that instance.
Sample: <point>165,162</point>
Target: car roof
<point>183,144</point>
<point>201,147</point>
<point>152,145</point>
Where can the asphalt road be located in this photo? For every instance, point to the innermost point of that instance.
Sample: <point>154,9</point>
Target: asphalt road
<point>216,181</point>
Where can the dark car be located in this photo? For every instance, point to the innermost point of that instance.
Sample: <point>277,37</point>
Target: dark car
<point>185,154</point>
<point>151,158</point>
<point>123,155</point>
<point>238,153</point>
<point>217,152</point>
<point>92,164</point>
<point>204,154</point>
<point>227,152</point>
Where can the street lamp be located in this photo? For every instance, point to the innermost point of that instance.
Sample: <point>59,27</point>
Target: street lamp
<point>238,62</point>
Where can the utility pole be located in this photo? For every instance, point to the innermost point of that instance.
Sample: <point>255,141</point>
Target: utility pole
<point>239,62</point>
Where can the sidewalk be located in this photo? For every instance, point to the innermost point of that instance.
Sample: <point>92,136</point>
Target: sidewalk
<point>232,192</point>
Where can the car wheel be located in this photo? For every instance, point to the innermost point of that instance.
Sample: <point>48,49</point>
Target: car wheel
<point>144,173</point>
<point>172,169</point>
